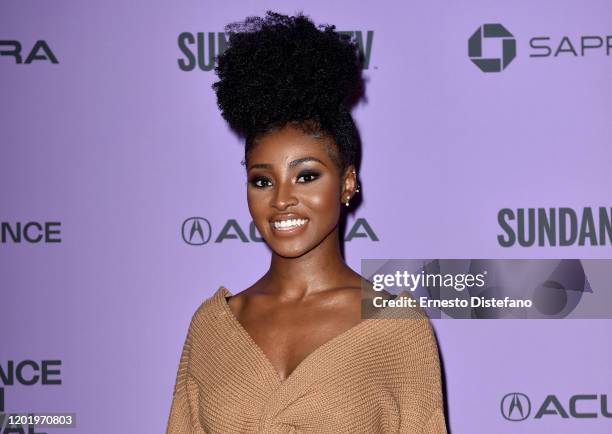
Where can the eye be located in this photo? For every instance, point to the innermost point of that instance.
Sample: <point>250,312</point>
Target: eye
<point>260,182</point>
<point>308,176</point>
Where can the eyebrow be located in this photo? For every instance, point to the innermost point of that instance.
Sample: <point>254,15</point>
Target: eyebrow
<point>291,163</point>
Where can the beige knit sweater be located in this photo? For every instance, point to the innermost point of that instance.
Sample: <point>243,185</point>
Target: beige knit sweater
<point>380,376</point>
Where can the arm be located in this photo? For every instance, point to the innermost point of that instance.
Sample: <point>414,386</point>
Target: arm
<point>181,419</point>
<point>422,403</point>
<point>436,423</point>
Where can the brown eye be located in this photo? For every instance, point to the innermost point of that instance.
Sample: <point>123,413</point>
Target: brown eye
<point>260,182</point>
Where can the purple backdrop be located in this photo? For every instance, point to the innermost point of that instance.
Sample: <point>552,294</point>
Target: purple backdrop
<point>121,146</point>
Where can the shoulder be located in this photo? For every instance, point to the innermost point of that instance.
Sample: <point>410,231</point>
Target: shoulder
<point>209,309</point>
<point>368,293</point>
<point>383,304</point>
<point>408,330</point>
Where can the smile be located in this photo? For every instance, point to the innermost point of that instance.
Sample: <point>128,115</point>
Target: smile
<point>288,225</point>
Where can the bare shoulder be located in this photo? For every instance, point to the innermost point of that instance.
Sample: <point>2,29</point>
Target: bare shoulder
<point>239,300</point>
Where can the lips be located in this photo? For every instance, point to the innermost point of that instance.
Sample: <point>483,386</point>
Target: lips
<point>288,223</point>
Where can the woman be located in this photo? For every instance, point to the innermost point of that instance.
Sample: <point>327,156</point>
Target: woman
<point>291,353</point>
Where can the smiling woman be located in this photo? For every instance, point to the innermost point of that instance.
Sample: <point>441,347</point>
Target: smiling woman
<point>295,189</point>
<point>291,353</point>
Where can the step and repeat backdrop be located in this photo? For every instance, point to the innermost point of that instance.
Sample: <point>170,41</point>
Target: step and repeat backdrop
<point>486,132</point>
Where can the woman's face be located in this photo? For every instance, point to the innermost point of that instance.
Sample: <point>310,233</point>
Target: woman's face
<point>295,190</point>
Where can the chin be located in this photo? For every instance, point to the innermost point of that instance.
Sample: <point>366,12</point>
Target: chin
<point>288,249</point>
<point>290,252</point>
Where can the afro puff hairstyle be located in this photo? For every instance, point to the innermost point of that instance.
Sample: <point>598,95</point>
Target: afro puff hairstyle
<point>281,69</point>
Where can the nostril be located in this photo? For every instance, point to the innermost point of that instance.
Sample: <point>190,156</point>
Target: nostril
<point>284,203</point>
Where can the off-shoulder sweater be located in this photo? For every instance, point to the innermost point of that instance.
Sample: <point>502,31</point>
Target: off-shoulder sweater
<point>380,376</point>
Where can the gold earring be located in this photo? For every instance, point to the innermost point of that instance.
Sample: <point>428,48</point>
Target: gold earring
<point>347,201</point>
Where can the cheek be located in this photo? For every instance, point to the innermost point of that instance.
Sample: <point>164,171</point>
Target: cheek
<point>324,199</point>
<point>255,204</point>
<point>258,212</point>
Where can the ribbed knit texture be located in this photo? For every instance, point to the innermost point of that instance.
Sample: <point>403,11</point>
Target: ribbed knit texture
<point>380,376</point>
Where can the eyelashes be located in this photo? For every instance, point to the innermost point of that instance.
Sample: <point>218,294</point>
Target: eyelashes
<point>260,182</point>
<point>304,177</point>
<point>308,176</point>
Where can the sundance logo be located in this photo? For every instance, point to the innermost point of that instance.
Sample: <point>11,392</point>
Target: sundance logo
<point>200,49</point>
<point>555,226</point>
<point>30,232</point>
<point>197,231</point>
<point>516,407</point>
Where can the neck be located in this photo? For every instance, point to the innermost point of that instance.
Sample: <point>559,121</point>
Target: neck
<point>319,269</point>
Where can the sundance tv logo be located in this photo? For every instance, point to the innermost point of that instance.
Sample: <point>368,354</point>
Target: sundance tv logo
<point>516,407</point>
<point>200,49</point>
<point>539,46</point>
<point>197,231</point>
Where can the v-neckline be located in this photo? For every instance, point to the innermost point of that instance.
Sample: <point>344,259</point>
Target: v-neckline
<point>305,361</point>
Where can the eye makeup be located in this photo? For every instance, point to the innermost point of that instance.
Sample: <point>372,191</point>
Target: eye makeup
<point>308,176</point>
<point>259,181</point>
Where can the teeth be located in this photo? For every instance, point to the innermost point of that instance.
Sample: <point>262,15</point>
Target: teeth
<point>288,224</point>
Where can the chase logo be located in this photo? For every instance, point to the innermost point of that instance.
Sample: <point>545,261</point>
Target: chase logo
<point>515,407</point>
<point>508,45</point>
<point>196,231</point>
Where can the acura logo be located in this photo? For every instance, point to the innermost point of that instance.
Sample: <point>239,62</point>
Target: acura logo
<point>515,406</point>
<point>196,231</point>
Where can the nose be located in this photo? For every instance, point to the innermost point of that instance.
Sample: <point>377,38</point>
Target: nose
<point>283,196</point>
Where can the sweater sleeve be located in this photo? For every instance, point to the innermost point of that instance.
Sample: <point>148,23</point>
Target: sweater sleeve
<point>422,408</point>
<point>181,419</point>
<point>436,423</point>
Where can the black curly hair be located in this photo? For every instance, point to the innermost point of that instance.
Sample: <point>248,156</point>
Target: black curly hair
<point>282,69</point>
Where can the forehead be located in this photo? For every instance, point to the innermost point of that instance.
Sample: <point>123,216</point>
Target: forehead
<point>279,146</point>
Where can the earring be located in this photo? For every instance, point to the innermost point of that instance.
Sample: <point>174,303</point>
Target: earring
<point>357,189</point>
<point>347,201</point>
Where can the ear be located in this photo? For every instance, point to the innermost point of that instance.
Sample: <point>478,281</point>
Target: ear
<point>349,184</point>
